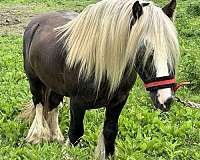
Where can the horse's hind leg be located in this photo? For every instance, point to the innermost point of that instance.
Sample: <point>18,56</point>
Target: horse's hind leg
<point>54,101</point>
<point>39,130</point>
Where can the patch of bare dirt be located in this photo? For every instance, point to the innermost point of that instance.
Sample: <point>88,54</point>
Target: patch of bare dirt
<point>13,20</point>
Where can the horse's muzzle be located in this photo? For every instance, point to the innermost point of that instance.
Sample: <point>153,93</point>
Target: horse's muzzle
<point>165,106</point>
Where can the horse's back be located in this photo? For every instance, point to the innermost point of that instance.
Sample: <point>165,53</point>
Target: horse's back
<point>54,19</point>
<point>43,52</point>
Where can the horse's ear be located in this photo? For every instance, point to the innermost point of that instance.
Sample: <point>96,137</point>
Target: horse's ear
<point>170,8</point>
<point>137,10</point>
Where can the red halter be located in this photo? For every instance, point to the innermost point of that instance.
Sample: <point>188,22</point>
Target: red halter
<point>164,82</point>
<point>161,82</point>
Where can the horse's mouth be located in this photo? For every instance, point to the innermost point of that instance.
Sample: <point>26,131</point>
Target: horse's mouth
<point>165,107</point>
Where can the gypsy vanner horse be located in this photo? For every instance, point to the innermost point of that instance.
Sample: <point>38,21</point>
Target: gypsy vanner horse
<point>93,58</point>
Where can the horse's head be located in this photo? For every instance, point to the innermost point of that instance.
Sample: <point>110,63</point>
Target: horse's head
<point>159,81</point>
<point>157,71</point>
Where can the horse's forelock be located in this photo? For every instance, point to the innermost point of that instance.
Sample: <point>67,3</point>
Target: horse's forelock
<point>157,33</point>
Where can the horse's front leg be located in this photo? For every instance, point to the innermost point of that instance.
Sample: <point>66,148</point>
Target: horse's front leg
<point>106,143</point>
<point>76,129</point>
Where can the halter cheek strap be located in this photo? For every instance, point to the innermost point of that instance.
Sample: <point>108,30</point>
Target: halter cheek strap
<point>160,83</point>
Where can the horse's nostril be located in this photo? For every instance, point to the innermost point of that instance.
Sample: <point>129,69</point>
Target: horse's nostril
<point>168,102</point>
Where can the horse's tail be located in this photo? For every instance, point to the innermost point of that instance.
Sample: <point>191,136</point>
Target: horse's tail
<point>27,38</point>
<point>28,112</point>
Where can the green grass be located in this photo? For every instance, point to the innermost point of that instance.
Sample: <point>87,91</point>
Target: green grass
<point>144,133</point>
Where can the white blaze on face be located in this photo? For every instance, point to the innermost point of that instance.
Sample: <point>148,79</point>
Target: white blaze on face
<point>166,93</point>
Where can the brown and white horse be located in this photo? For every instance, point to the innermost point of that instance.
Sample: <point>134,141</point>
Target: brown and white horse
<point>93,58</point>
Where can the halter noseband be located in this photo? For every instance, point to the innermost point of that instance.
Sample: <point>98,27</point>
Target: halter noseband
<point>160,83</point>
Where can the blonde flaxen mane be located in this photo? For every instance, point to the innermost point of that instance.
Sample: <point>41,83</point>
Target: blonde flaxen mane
<point>102,41</point>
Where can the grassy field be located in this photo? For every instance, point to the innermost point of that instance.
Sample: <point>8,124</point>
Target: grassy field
<point>144,133</point>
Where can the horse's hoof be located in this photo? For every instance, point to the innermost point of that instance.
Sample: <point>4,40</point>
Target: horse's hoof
<point>37,139</point>
<point>36,136</point>
<point>58,137</point>
<point>68,143</point>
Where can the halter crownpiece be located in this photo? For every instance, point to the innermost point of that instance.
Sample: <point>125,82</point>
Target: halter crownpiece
<point>160,83</point>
